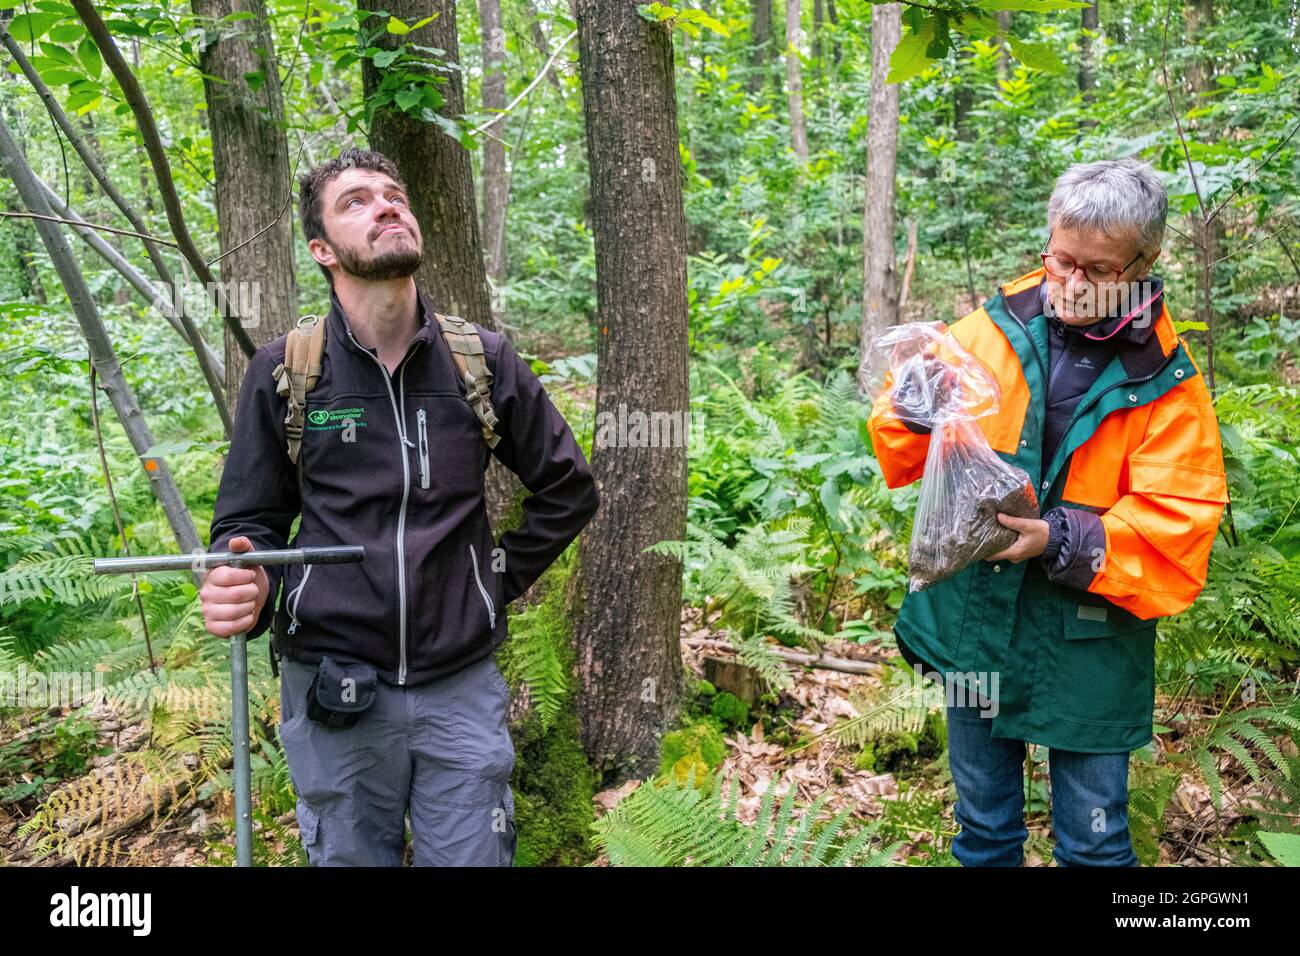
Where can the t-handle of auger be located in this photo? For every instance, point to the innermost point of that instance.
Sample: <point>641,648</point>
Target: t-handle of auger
<point>203,561</point>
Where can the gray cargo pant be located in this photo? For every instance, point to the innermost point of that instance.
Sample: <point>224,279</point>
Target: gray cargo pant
<point>441,748</point>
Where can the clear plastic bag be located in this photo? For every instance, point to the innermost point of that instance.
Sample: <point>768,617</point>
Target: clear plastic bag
<point>922,376</point>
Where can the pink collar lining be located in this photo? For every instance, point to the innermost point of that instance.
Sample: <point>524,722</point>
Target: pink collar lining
<point>1124,321</point>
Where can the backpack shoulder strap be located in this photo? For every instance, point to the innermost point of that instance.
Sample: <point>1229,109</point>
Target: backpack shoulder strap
<point>471,361</point>
<point>297,375</point>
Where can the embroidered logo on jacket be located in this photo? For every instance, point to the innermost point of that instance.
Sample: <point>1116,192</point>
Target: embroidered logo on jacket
<point>328,419</point>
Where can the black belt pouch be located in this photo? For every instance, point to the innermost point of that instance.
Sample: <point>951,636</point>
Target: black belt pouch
<point>340,693</point>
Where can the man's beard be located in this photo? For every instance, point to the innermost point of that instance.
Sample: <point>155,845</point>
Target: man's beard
<point>394,264</point>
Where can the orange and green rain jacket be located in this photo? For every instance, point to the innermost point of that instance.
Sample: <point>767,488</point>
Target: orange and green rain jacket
<point>1129,471</point>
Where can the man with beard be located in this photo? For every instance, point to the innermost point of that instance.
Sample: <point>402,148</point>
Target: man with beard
<point>391,700</point>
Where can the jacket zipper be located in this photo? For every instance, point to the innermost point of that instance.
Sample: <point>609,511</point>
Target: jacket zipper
<point>406,488</point>
<point>492,614</point>
<point>294,597</point>
<point>421,419</point>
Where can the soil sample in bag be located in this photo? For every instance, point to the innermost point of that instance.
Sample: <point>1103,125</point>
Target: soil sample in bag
<point>964,486</point>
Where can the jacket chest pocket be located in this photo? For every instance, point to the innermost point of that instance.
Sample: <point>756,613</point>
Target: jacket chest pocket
<point>446,449</point>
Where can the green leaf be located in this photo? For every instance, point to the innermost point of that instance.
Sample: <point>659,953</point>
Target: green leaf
<point>979,25</point>
<point>386,58</point>
<point>703,19</point>
<point>1285,847</point>
<point>397,27</point>
<point>1189,325</point>
<point>82,101</point>
<point>939,45</point>
<point>408,98</point>
<point>57,76</point>
<point>65,32</point>
<point>58,53</point>
<point>1037,56</point>
<point>29,27</point>
<point>89,56</point>
<point>255,79</point>
<point>656,12</point>
<point>909,57</point>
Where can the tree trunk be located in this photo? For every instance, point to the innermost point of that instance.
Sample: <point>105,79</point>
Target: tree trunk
<point>963,97</point>
<point>435,166</point>
<point>818,20</point>
<point>1087,68</point>
<point>1211,237</point>
<point>879,281</point>
<point>834,18</point>
<point>495,193</point>
<point>794,81</point>
<point>250,156</point>
<point>1004,57</point>
<point>1198,15</point>
<point>760,43</point>
<point>627,604</point>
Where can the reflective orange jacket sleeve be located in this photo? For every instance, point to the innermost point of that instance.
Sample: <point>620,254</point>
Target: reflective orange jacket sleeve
<point>1159,534</point>
<point>900,451</point>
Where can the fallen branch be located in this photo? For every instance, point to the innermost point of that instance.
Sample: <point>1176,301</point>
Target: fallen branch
<point>820,661</point>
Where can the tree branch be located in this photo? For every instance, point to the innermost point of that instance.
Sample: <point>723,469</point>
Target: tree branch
<point>99,344</point>
<point>97,171</point>
<point>153,146</point>
<point>529,88</point>
<point>86,225</point>
<point>138,280</point>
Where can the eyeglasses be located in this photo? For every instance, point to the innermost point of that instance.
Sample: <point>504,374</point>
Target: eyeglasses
<point>1062,267</point>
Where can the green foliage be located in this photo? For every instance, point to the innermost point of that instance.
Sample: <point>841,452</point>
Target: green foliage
<point>552,781</point>
<point>273,843</point>
<point>787,514</point>
<point>671,823</point>
<point>540,649</point>
<point>730,709</point>
<point>919,819</point>
<point>692,752</point>
<point>1285,847</point>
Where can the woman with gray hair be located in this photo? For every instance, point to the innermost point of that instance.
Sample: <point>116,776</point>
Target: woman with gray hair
<point>1052,640</point>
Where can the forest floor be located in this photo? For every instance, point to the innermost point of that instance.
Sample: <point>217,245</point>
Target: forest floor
<point>115,814</point>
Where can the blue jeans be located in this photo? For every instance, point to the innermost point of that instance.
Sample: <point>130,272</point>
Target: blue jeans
<point>1089,799</point>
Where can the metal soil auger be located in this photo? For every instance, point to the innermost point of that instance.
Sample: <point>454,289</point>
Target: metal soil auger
<point>346,554</point>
